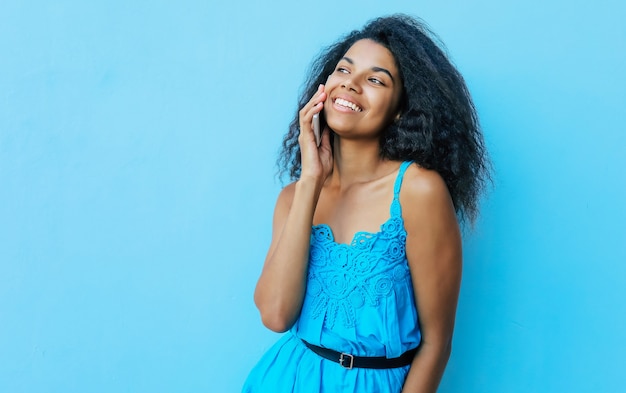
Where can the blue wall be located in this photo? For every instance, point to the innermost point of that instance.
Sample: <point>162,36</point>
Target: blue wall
<point>137,146</point>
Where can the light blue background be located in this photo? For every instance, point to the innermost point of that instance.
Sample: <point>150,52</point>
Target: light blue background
<point>137,147</point>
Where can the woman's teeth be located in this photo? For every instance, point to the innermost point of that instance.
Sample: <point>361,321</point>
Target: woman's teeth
<point>348,104</point>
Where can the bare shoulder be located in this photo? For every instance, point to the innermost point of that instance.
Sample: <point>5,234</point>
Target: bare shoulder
<point>426,203</point>
<point>433,235</point>
<point>285,198</point>
<point>421,188</point>
<point>287,192</point>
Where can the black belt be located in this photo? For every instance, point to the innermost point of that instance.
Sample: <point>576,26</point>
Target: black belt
<point>348,361</point>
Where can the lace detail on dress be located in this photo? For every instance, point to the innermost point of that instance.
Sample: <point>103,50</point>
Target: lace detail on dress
<point>343,278</point>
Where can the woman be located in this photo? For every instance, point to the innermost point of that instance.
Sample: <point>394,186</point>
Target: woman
<point>364,265</point>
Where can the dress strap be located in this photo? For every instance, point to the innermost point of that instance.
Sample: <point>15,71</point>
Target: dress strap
<point>396,210</point>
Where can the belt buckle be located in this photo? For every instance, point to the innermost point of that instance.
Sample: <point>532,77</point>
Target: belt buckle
<point>344,357</point>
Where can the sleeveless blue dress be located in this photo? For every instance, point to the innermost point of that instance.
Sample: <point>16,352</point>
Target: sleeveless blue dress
<point>359,300</point>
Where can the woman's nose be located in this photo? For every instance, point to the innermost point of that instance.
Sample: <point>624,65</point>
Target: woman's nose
<point>350,84</point>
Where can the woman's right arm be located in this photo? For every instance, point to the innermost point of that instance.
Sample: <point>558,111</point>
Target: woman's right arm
<point>280,290</point>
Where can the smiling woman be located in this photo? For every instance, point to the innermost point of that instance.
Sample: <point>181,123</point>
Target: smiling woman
<point>364,265</point>
<point>364,91</point>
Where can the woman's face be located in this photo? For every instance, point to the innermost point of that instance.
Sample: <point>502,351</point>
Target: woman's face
<point>364,91</point>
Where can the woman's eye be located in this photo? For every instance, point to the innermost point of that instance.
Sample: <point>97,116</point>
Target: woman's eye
<point>342,70</point>
<point>376,81</point>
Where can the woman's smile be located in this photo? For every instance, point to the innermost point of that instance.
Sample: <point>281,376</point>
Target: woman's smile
<point>345,105</point>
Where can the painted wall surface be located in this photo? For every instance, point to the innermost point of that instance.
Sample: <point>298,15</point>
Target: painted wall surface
<point>137,148</point>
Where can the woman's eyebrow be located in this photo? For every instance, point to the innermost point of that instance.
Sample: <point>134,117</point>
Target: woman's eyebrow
<point>386,71</point>
<point>349,60</point>
<point>375,69</point>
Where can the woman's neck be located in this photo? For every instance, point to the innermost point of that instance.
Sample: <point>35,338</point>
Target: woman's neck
<point>357,161</point>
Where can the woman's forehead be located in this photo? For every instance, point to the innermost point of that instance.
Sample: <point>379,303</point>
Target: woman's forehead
<point>368,53</point>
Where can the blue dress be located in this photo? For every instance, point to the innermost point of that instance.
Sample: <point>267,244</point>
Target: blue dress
<point>359,300</point>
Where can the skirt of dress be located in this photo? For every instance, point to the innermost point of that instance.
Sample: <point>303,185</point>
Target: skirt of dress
<point>290,367</point>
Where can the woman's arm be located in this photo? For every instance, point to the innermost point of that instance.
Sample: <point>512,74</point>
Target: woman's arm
<point>433,249</point>
<point>280,290</point>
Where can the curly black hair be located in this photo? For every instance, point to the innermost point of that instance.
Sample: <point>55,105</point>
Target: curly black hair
<point>438,126</point>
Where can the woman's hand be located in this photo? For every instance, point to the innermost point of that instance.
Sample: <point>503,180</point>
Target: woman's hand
<point>317,162</point>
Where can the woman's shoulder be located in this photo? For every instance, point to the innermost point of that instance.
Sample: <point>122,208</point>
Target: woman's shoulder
<point>285,197</point>
<point>421,182</point>
<point>424,191</point>
<point>287,191</point>
<point>283,203</point>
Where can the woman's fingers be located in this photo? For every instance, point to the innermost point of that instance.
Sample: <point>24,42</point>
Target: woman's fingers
<point>315,105</point>
<point>313,157</point>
